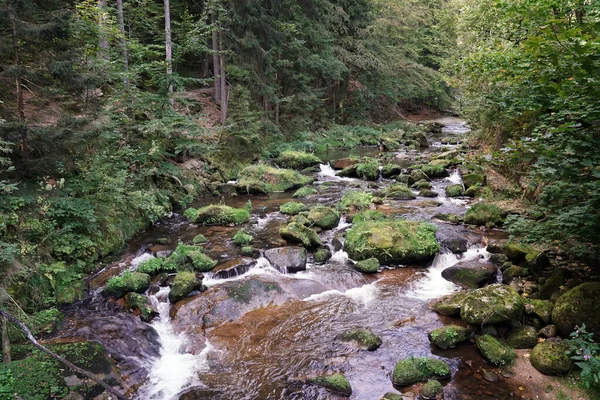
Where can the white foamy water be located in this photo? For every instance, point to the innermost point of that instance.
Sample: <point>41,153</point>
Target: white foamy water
<point>140,259</point>
<point>340,257</point>
<point>455,177</point>
<point>327,171</point>
<point>363,295</point>
<point>433,285</point>
<point>174,370</point>
<point>262,267</point>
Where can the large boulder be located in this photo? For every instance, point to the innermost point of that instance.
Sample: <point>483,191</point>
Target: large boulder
<point>324,217</point>
<point>555,281</point>
<point>412,370</point>
<point>484,214</point>
<point>550,358</point>
<point>470,274</point>
<point>262,179</point>
<point>494,350</point>
<point>449,305</point>
<point>541,309</point>
<point>297,160</point>
<point>456,244</point>
<point>492,304</point>
<point>184,283</point>
<point>287,259</point>
<point>522,337</point>
<point>128,282</point>
<point>578,306</point>
<point>296,233</point>
<point>392,241</point>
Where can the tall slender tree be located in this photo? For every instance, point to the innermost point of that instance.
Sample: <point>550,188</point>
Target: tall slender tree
<point>169,52</point>
<point>123,40</point>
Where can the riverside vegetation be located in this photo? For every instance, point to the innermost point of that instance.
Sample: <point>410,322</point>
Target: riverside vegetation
<point>105,134</point>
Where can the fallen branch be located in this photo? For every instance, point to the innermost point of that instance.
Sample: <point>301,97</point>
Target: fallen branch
<point>70,365</point>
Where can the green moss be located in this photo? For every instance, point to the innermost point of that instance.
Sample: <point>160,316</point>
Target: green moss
<point>368,266</point>
<point>322,255</point>
<point>398,191</point>
<point>422,184</point>
<point>392,396</point>
<point>450,305</point>
<point>324,217</point>
<point>473,179</point>
<point>292,208</point>
<point>369,216</point>
<point>492,304</point>
<point>142,304</point>
<point>412,370</point>
<point>304,192</point>
<point>201,262</point>
<point>184,283</point>
<point>391,170</point>
<point>540,308</point>
<point>128,282</point>
<point>241,238</point>
<point>495,351</point>
<point>297,160</point>
<point>484,214</point>
<point>392,241</point>
<point>247,251</point>
<point>417,175</point>
<point>522,337</point>
<point>297,233</point>
<point>189,257</point>
<point>551,358</point>
<point>434,171</point>
<point>198,239</point>
<point>455,190</point>
<point>576,307</point>
<point>217,215</point>
<point>516,251</point>
<point>363,338</point>
<point>368,169</point>
<point>336,383</point>
<point>449,336</point>
<point>452,218</point>
<point>243,291</point>
<point>427,193</point>
<point>155,266</point>
<point>354,200</point>
<point>262,179</point>
<point>431,389</point>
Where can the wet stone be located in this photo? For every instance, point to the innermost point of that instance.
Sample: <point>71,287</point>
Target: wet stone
<point>287,259</point>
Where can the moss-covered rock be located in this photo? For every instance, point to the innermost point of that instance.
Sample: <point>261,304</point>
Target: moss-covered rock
<point>472,191</point>
<point>452,218</point>
<point>344,163</point>
<point>297,160</point>
<point>431,389</point>
<point>184,283</point>
<point>540,308</point>
<point>321,255</point>
<point>292,208</point>
<point>422,184</point>
<point>454,190</point>
<point>304,192</point>
<point>516,252</point>
<point>324,217</point>
<point>445,163</point>
<point>449,336</point>
<point>262,179</point>
<point>249,251</point>
<point>449,305</point>
<point>217,215</point>
<point>296,233</point>
<point>392,396</point>
<point>368,266</point>
<point>155,266</point>
<point>368,169</point>
<point>336,383</point>
<point>406,179</point>
<point>427,193</point>
<point>537,262</point>
<point>391,170</point>
<point>354,200</point>
<point>363,339</point>
<point>578,306</point>
<point>522,337</point>
<point>398,191</point>
<point>188,257</point>
<point>412,370</point>
<point>515,271</point>
<point>555,281</point>
<point>392,241</point>
<point>470,274</point>
<point>199,239</point>
<point>495,351</point>
<point>417,175</point>
<point>128,282</point>
<point>484,214</point>
<point>473,179</point>
<point>434,171</point>
<point>140,303</point>
<point>241,238</point>
<point>550,358</point>
<point>492,304</point>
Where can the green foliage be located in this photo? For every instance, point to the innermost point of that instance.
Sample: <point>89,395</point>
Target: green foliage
<point>241,238</point>
<point>188,258</point>
<point>154,266</point>
<point>297,159</point>
<point>586,354</point>
<point>368,169</point>
<point>354,200</point>
<point>304,192</point>
<point>263,179</point>
<point>129,281</point>
<point>292,208</point>
<point>484,214</point>
<point>217,215</point>
<point>36,377</point>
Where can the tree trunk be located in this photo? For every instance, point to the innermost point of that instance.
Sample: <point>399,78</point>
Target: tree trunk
<point>224,96</point>
<point>102,41</point>
<point>169,51</point>
<point>216,66</point>
<point>205,65</point>
<point>19,85</point>
<point>5,342</point>
<point>70,365</point>
<point>123,43</point>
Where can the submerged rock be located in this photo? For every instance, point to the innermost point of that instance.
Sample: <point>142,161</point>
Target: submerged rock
<point>492,304</point>
<point>368,266</point>
<point>578,306</point>
<point>470,274</point>
<point>550,358</point>
<point>495,351</point>
<point>431,389</point>
<point>412,370</point>
<point>288,259</point>
<point>449,336</point>
<point>336,383</point>
<point>363,339</point>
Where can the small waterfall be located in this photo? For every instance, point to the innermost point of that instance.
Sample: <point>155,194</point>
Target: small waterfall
<point>174,370</point>
<point>455,177</point>
<point>140,259</point>
<point>326,170</point>
<point>262,267</point>
<point>380,177</point>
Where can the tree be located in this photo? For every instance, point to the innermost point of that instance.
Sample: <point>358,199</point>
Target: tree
<point>169,52</point>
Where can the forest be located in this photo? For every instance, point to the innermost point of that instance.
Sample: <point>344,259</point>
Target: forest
<point>129,126</point>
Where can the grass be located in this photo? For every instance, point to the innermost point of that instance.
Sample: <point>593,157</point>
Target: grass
<point>297,159</point>
<point>217,215</point>
<point>304,192</point>
<point>292,208</point>
<point>354,200</point>
<point>241,238</point>
<point>484,214</point>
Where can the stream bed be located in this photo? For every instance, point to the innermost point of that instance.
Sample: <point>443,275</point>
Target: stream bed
<point>257,332</point>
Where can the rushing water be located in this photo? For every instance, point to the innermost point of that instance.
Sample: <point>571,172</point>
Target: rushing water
<point>285,326</point>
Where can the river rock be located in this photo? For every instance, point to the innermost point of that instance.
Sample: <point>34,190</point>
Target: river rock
<point>449,305</point>
<point>297,160</point>
<point>492,304</point>
<point>392,241</point>
<point>498,259</point>
<point>362,339</point>
<point>473,179</point>
<point>456,244</point>
<point>522,337</point>
<point>470,274</point>
<point>514,271</point>
<point>484,214</point>
<point>412,370</point>
<point>495,247</point>
<point>391,170</point>
<point>550,358</point>
<point>336,383</point>
<point>405,178</point>
<point>449,336</point>
<point>431,389</point>
<point>344,163</point>
<point>128,282</point>
<point>578,306</point>
<point>184,283</point>
<point>142,305</point>
<point>454,190</point>
<point>548,331</point>
<point>324,217</point>
<point>296,233</point>
<point>392,396</point>
<point>398,191</point>
<point>554,283</point>
<point>427,193</point>
<point>540,308</point>
<point>321,255</point>
<point>217,214</point>
<point>288,259</point>
<point>417,175</point>
<point>233,267</point>
<point>368,266</point>
<point>495,351</point>
<point>262,179</point>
